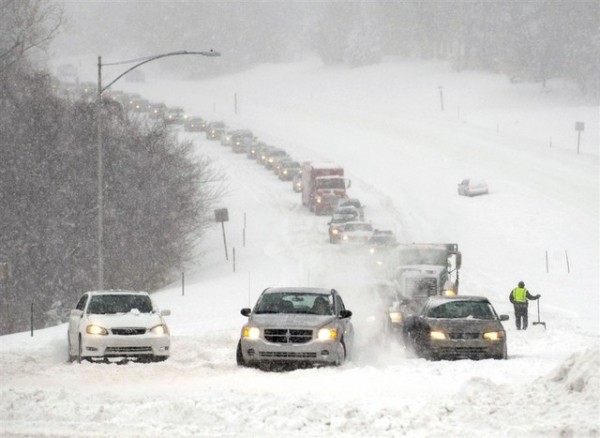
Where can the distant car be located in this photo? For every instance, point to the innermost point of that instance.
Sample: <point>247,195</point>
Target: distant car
<point>353,202</point>
<point>272,156</point>
<point>460,327</point>
<point>288,170</point>
<point>254,150</point>
<point>355,232</point>
<point>175,116</point>
<point>296,325</point>
<point>139,106</point>
<point>383,238</point>
<point>263,154</point>
<point>338,219</point>
<point>241,145</point>
<point>238,136</point>
<point>214,130</point>
<point>158,110</point>
<point>193,124</point>
<point>227,138</point>
<point>297,182</point>
<point>472,187</point>
<point>117,324</point>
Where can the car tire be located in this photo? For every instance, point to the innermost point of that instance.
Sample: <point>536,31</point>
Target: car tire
<point>502,356</point>
<point>239,357</point>
<point>341,354</point>
<point>159,358</point>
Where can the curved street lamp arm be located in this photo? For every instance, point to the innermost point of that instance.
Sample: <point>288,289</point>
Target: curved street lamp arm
<point>164,55</point>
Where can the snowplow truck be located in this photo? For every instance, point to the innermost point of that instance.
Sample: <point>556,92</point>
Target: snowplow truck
<point>322,185</point>
<point>419,271</point>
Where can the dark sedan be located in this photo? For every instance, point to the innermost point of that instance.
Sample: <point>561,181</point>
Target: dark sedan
<point>461,327</point>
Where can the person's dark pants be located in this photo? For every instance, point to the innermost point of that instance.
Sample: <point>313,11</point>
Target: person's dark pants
<point>521,316</point>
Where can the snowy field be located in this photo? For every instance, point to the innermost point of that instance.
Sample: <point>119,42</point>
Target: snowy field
<point>405,156</point>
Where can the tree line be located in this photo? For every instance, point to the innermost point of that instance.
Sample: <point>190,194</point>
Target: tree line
<point>524,40</point>
<point>158,195</point>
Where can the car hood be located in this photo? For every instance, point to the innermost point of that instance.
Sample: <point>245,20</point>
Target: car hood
<point>464,325</point>
<point>146,320</point>
<point>287,320</point>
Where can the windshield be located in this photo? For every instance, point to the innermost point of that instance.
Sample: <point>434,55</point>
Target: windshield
<point>462,309</point>
<point>330,183</point>
<point>298,302</point>
<point>102,304</point>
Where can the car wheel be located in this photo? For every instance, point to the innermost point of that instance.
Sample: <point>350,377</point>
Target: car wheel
<point>341,354</point>
<point>159,358</point>
<point>239,357</point>
<point>502,356</point>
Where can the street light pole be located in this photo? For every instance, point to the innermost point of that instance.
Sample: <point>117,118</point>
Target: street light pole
<point>99,137</point>
<point>100,199</point>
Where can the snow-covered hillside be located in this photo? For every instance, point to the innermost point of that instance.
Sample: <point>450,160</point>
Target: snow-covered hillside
<point>405,156</point>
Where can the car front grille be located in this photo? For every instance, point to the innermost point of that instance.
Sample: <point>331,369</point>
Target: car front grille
<point>127,350</point>
<point>465,336</point>
<point>286,355</point>
<point>128,331</point>
<point>462,351</point>
<point>288,336</point>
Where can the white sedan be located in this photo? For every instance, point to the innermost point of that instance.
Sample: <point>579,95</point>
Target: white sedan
<point>472,187</point>
<point>117,324</point>
<point>355,232</point>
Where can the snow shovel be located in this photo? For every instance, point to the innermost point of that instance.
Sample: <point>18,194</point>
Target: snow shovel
<point>538,322</point>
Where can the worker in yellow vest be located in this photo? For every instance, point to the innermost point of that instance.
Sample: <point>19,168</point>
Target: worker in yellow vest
<point>519,296</point>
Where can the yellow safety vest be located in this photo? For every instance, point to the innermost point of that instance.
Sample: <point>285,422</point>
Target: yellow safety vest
<point>520,294</point>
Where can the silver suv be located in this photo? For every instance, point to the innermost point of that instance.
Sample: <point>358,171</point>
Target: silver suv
<point>296,326</point>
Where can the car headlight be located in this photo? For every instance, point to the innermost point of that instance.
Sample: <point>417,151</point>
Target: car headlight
<point>327,334</point>
<point>160,330</point>
<point>396,317</point>
<point>449,293</point>
<point>335,231</point>
<point>494,336</point>
<point>94,329</point>
<point>285,172</point>
<point>372,250</point>
<point>345,237</point>
<point>437,335</point>
<point>251,332</point>
<point>319,199</point>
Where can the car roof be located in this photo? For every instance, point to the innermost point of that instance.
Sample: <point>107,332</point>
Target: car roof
<point>310,290</point>
<point>117,292</point>
<point>438,300</point>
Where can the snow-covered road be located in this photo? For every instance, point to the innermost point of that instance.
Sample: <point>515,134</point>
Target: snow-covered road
<point>405,159</point>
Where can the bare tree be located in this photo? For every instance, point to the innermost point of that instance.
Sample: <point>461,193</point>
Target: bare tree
<point>26,25</point>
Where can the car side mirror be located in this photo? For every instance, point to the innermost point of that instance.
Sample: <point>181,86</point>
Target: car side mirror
<point>165,312</point>
<point>76,313</point>
<point>503,317</point>
<point>345,314</point>
<point>246,311</point>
